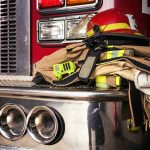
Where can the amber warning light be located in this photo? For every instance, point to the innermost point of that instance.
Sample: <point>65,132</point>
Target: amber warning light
<point>61,3</point>
<point>79,2</point>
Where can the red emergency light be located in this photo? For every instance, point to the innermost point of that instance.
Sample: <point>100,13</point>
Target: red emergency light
<point>50,3</point>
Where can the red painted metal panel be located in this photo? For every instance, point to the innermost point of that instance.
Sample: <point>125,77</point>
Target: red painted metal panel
<point>141,11</point>
<point>37,51</point>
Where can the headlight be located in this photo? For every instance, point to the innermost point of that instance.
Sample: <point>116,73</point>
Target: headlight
<point>76,28</point>
<point>51,30</point>
<point>63,29</point>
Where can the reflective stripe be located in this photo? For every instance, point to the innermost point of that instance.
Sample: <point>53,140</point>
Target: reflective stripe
<point>102,85</point>
<point>110,46</point>
<point>130,126</point>
<point>114,26</point>
<point>121,53</point>
<point>101,82</point>
<point>118,80</point>
<point>109,27</point>
<point>101,79</point>
<point>136,33</point>
<point>109,54</point>
<point>114,54</point>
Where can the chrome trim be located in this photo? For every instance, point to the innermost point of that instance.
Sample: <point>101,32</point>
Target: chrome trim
<point>71,9</point>
<point>71,93</point>
<point>42,124</point>
<point>12,122</point>
<point>23,37</point>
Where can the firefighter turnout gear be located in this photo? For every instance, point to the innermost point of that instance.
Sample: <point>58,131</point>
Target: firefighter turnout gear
<point>106,82</point>
<point>106,58</point>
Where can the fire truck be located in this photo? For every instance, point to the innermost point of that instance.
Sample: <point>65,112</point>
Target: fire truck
<point>44,117</point>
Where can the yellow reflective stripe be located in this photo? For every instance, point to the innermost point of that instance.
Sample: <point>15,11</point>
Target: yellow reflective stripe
<point>115,53</point>
<point>101,79</point>
<point>131,127</point>
<point>118,80</point>
<point>90,33</point>
<point>109,54</point>
<point>110,46</point>
<point>136,33</point>
<point>101,82</point>
<point>114,26</point>
<point>120,53</point>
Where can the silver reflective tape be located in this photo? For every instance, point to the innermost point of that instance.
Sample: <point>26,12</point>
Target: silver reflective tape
<point>115,54</point>
<point>86,67</point>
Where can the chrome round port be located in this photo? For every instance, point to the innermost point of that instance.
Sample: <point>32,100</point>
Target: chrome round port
<point>12,121</point>
<point>42,124</point>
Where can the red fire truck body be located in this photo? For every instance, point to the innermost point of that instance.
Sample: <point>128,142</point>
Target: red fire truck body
<point>141,13</point>
<point>44,117</point>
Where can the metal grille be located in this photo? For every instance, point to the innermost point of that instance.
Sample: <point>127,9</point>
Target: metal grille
<point>8,36</point>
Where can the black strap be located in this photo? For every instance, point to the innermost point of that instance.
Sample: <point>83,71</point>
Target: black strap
<point>66,81</point>
<point>135,104</point>
<point>39,79</point>
<point>121,39</point>
<point>95,45</point>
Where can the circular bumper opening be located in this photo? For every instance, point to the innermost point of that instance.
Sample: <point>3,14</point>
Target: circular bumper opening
<point>12,122</point>
<point>43,124</point>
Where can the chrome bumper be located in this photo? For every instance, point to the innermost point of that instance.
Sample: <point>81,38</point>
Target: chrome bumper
<point>71,93</point>
<point>87,113</point>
